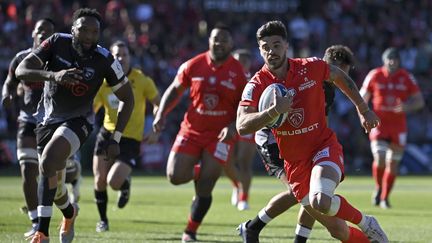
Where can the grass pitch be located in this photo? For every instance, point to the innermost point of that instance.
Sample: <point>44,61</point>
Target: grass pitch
<point>157,212</point>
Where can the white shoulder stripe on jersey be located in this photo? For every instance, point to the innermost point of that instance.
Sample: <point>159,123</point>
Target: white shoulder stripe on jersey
<point>40,60</point>
<point>119,85</point>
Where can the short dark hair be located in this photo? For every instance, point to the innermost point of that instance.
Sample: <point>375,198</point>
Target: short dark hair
<point>340,54</point>
<point>84,12</point>
<point>222,26</point>
<point>270,28</point>
<point>49,20</point>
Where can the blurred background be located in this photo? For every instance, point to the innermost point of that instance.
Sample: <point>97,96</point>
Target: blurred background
<point>162,34</point>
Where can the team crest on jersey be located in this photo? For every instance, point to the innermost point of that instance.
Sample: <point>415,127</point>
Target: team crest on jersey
<point>212,80</point>
<point>211,101</point>
<point>88,73</point>
<point>296,117</point>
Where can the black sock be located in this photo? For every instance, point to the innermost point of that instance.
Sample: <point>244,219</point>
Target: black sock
<point>300,239</point>
<point>199,208</point>
<point>45,198</point>
<point>256,224</point>
<point>68,211</point>
<point>101,203</point>
<point>125,185</point>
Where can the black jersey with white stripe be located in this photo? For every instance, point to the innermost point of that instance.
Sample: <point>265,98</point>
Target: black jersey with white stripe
<point>65,101</point>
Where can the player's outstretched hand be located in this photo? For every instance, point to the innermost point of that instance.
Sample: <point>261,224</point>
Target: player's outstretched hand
<point>72,76</point>
<point>369,120</point>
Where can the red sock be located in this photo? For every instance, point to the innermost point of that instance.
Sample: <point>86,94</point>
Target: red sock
<point>196,172</point>
<point>356,236</point>
<point>377,174</point>
<point>243,196</point>
<point>348,212</point>
<point>387,186</point>
<point>192,226</point>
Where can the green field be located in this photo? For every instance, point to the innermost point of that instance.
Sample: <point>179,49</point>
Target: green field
<point>157,212</point>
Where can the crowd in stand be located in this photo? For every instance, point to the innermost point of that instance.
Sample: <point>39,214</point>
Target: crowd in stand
<point>163,33</point>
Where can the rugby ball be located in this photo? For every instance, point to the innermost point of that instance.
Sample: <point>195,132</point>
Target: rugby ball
<point>266,101</point>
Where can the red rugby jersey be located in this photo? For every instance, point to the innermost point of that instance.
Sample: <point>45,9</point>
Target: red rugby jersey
<point>305,129</point>
<point>215,92</point>
<point>387,91</point>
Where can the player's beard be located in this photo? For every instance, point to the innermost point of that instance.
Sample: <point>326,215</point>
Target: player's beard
<point>275,66</point>
<point>82,52</point>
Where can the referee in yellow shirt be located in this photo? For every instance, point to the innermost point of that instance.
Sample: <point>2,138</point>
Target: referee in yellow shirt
<point>117,173</point>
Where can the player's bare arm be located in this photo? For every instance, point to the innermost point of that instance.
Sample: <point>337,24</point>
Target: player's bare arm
<point>169,100</point>
<point>125,95</point>
<point>31,69</point>
<point>9,90</point>
<point>367,117</point>
<point>156,102</point>
<point>152,136</point>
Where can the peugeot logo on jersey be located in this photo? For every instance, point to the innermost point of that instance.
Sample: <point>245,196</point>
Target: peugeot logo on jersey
<point>88,73</point>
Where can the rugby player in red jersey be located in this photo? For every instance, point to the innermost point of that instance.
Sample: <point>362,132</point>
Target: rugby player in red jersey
<point>313,158</point>
<point>215,81</point>
<point>342,57</point>
<point>394,93</point>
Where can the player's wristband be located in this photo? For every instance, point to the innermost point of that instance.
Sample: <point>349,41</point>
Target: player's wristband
<point>117,136</point>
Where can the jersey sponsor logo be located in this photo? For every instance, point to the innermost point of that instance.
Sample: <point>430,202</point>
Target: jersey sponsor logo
<point>211,101</point>
<point>299,131</point>
<point>228,84</point>
<point>296,117</point>
<point>117,68</point>
<point>88,73</point>
<point>325,153</point>
<point>248,91</point>
<point>78,89</point>
<point>307,84</point>
<point>210,113</point>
